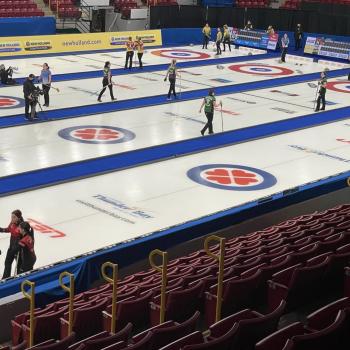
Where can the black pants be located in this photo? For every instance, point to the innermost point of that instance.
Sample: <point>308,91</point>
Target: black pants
<point>28,104</point>
<point>110,87</point>
<point>209,125</point>
<point>228,42</point>
<point>26,262</point>
<point>321,97</point>
<point>129,56</point>
<point>139,56</point>
<point>205,42</point>
<point>172,87</point>
<point>283,55</point>
<point>297,44</point>
<point>10,257</point>
<point>218,48</point>
<point>46,89</point>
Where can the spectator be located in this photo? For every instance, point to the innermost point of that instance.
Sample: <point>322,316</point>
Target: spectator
<point>298,36</point>
<point>270,31</point>
<point>248,26</point>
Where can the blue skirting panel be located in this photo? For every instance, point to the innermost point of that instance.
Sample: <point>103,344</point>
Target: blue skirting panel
<point>27,26</point>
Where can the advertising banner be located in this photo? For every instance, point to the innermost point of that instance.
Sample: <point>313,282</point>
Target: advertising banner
<point>327,47</point>
<point>252,38</point>
<point>17,46</point>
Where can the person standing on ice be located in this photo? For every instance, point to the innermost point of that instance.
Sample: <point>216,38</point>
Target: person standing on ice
<point>14,229</point>
<point>206,35</point>
<point>285,44</point>
<point>209,103</point>
<point>129,53</point>
<point>25,248</point>
<point>218,42</point>
<point>107,81</point>
<point>172,74</point>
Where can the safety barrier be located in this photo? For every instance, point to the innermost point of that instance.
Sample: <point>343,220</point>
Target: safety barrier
<point>114,282</point>
<point>220,257</point>
<point>31,297</point>
<point>163,270</point>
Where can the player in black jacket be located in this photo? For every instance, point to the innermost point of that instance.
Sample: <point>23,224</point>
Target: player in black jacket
<point>28,89</point>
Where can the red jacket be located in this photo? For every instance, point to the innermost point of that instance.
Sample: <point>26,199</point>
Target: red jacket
<point>27,242</point>
<point>13,229</point>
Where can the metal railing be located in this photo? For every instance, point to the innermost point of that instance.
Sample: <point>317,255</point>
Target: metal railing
<point>220,257</point>
<point>70,289</point>
<point>31,297</point>
<point>114,281</point>
<point>163,270</point>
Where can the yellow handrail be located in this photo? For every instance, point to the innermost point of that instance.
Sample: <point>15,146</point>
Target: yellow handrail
<point>31,298</point>
<point>70,290</point>
<point>163,270</point>
<point>114,281</point>
<point>220,257</point>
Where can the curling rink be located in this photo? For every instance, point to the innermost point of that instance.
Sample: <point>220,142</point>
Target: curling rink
<point>129,203</point>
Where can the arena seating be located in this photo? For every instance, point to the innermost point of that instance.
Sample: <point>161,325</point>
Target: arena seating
<point>278,269</point>
<point>252,3</point>
<point>64,8</point>
<point>17,8</point>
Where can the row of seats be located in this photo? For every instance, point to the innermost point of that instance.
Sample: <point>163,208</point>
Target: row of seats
<point>344,2</point>
<point>21,12</point>
<point>324,325</point>
<point>255,4</point>
<point>64,8</point>
<point>250,262</point>
<point>9,3</point>
<point>16,8</point>
<point>6,5</point>
<point>69,12</point>
<point>162,2</point>
<point>324,329</point>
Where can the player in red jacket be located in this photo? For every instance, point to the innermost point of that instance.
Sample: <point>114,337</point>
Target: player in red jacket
<point>26,248</point>
<point>13,228</point>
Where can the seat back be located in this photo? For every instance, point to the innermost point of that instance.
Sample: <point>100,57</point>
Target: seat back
<point>306,283</point>
<point>135,311</point>
<point>116,346</point>
<point>325,316</point>
<point>121,336</point>
<point>88,320</point>
<point>182,304</point>
<point>238,293</point>
<point>325,339</point>
<point>163,336</point>
<point>47,326</point>
<point>278,339</point>
<point>60,345</point>
<point>190,339</point>
<point>250,331</point>
<point>222,343</point>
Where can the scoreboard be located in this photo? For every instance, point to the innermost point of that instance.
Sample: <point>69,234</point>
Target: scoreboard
<point>327,47</point>
<point>252,38</point>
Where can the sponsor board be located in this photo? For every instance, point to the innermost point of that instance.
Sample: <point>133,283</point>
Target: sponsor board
<point>17,46</point>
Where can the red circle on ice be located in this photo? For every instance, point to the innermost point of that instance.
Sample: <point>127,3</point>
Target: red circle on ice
<point>339,86</point>
<point>181,54</point>
<point>96,134</point>
<point>231,177</point>
<point>10,102</point>
<point>260,69</point>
